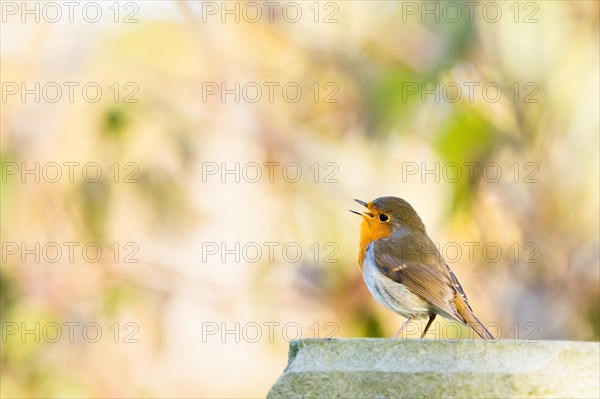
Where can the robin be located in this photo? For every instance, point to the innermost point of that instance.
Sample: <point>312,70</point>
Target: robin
<point>403,269</point>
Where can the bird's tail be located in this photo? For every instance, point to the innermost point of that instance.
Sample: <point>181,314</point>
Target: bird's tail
<point>467,313</point>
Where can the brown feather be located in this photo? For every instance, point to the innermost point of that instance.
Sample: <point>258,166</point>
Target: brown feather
<point>467,313</point>
<point>429,283</point>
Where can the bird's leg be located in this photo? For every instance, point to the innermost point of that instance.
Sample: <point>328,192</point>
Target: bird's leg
<point>431,318</point>
<point>410,319</point>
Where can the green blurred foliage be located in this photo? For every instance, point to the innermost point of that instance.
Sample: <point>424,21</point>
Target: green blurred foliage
<point>467,126</point>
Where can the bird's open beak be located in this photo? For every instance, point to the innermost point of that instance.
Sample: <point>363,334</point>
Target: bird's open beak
<point>364,214</point>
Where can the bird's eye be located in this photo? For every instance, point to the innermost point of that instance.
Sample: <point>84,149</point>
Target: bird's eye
<point>383,217</point>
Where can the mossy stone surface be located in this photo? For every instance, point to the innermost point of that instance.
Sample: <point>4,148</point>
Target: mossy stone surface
<point>386,368</point>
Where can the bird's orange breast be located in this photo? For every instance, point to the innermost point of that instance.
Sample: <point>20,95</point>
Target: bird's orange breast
<point>371,230</point>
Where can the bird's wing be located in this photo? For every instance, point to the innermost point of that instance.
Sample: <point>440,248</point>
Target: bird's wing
<point>427,282</point>
<point>458,287</point>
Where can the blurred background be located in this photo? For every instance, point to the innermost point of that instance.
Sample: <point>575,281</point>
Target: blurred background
<point>176,179</point>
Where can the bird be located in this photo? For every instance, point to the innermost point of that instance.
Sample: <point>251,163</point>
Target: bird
<point>403,269</point>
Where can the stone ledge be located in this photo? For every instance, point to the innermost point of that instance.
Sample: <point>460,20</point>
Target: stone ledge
<point>386,368</point>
